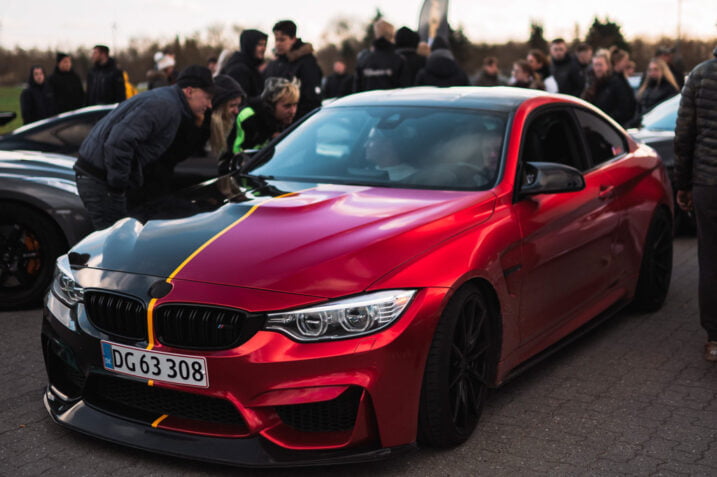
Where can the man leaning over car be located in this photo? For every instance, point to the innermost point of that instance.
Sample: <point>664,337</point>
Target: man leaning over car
<point>133,135</point>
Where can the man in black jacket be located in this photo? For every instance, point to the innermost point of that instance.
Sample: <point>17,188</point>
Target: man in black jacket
<point>696,183</point>
<point>243,65</point>
<point>565,69</point>
<point>382,67</point>
<point>441,67</point>
<point>132,136</point>
<point>295,59</point>
<point>105,82</point>
<point>66,85</point>
<point>339,83</point>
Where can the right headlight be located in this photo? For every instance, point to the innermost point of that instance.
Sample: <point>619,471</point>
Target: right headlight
<point>341,319</point>
<point>64,285</point>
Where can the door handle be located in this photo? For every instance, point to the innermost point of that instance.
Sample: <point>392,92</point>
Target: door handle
<point>606,192</point>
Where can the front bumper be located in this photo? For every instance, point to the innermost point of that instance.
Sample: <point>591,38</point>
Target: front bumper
<point>280,392</point>
<point>246,452</point>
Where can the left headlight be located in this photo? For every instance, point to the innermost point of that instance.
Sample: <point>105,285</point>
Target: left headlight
<point>64,285</point>
<point>347,318</point>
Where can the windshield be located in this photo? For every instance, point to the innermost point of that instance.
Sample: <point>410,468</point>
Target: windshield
<point>417,147</point>
<point>663,116</point>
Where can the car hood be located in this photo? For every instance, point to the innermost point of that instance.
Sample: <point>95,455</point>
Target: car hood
<point>36,164</point>
<point>649,135</point>
<point>325,241</point>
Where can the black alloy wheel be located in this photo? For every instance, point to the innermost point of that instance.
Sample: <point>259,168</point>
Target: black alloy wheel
<point>458,370</point>
<point>656,267</point>
<point>29,245</point>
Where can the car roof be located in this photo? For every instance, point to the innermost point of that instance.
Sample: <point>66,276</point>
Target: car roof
<point>69,114</point>
<point>494,98</point>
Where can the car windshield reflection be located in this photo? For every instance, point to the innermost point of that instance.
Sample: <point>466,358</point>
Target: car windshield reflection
<point>411,147</point>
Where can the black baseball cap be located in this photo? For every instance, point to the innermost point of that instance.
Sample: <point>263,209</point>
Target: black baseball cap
<point>196,76</point>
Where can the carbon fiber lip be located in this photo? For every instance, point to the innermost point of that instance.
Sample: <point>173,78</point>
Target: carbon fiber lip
<point>245,452</point>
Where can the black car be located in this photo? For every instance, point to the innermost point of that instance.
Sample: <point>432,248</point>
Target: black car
<point>60,134</point>
<point>658,131</point>
<point>41,216</point>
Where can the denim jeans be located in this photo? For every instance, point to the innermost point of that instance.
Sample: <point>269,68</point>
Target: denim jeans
<point>105,207</point>
<point>705,202</point>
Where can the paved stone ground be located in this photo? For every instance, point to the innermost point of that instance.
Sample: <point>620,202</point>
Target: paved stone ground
<point>634,397</point>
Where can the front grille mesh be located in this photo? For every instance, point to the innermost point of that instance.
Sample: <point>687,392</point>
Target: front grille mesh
<point>132,398</point>
<point>203,327</point>
<point>327,416</point>
<point>117,315</point>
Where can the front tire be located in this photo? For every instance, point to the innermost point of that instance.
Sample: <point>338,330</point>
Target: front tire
<point>29,245</point>
<point>458,370</point>
<point>656,267</point>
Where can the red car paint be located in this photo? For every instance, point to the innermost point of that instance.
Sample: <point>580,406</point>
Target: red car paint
<point>551,263</point>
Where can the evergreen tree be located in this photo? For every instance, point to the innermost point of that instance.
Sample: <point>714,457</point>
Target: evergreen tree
<point>604,34</point>
<point>537,40</point>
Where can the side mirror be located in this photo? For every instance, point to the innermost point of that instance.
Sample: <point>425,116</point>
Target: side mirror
<point>550,178</point>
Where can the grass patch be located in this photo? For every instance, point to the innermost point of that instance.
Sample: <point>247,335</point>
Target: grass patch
<point>10,101</point>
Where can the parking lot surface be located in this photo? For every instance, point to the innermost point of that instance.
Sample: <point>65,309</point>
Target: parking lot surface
<point>634,397</point>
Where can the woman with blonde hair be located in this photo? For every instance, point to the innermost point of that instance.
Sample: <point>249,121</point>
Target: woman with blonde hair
<point>659,85</point>
<point>228,99</point>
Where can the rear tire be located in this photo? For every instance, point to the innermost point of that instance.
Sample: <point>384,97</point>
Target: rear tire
<point>29,244</point>
<point>656,268</point>
<point>458,370</point>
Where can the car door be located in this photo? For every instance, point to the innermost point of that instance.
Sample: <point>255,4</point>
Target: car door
<point>566,237</point>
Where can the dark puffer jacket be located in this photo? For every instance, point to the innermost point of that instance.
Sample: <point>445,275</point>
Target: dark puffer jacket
<point>696,131</point>
<point>442,70</point>
<point>381,68</point>
<point>67,89</point>
<point>243,65</point>
<point>300,63</point>
<point>132,136</point>
<point>105,84</point>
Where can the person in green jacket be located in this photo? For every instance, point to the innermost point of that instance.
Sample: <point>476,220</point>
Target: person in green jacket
<point>263,118</point>
<point>266,117</point>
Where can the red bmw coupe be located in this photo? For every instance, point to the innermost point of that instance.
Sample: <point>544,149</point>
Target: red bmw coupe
<point>354,288</point>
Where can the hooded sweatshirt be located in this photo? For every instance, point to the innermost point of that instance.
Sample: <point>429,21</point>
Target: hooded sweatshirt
<point>243,65</point>
<point>442,70</point>
<point>36,101</point>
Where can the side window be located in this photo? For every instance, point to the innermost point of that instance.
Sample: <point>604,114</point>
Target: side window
<point>75,133</point>
<point>551,137</point>
<point>602,140</point>
<point>45,136</point>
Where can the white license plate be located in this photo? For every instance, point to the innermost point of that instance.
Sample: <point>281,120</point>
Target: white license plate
<point>167,367</point>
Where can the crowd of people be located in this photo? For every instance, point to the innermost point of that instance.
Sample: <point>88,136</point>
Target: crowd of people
<point>247,101</point>
<point>240,101</point>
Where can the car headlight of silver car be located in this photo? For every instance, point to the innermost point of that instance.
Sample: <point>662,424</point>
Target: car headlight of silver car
<point>64,285</point>
<point>341,319</point>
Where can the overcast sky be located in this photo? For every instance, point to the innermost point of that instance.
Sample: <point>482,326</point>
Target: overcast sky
<point>66,24</point>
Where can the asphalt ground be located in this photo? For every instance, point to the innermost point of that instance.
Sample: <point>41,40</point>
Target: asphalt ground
<point>634,397</point>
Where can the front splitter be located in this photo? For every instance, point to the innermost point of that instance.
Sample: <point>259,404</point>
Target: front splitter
<point>243,452</point>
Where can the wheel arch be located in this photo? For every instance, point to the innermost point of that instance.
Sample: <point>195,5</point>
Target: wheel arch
<point>40,210</point>
<point>490,293</point>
